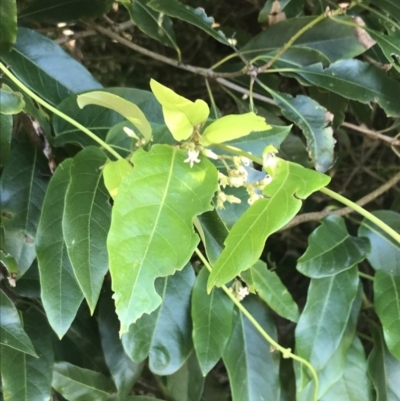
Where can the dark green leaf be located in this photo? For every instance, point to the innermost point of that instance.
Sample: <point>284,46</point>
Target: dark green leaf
<point>23,185</point>
<point>6,126</point>
<point>336,41</point>
<point>100,120</point>
<point>245,242</point>
<point>60,292</point>
<point>45,68</point>
<point>323,322</point>
<point>123,370</point>
<point>77,384</point>
<point>390,46</point>
<point>24,377</point>
<point>270,289</point>
<point>253,369</point>
<point>153,211</point>
<point>29,284</point>
<point>8,26</point>
<point>387,305</point>
<point>157,26</point>
<point>331,250</point>
<point>314,121</point>
<point>12,334</point>
<point>194,16</point>
<point>63,10</point>
<point>10,102</point>
<point>212,322</point>
<point>391,7</point>
<point>187,383</point>
<point>165,334</point>
<point>86,222</point>
<point>385,251</point>
<point>383,368</point>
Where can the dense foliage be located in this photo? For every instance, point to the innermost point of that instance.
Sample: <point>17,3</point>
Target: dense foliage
<point>166,228</point>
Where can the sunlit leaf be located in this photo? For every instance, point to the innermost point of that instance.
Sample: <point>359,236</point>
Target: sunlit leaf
<point>181,115</point>
<point>113,173</point>
<point>10,102</point>
<point>151,232</point>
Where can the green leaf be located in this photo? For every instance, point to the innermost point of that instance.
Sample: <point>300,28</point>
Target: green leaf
<point>323,322</point>
<point>60,292</point>
<point>389,6</point>
<point>245,242</point>
<point>77,384</point>
<point>161,188</point>
<point>22,189</point>
<point>385,251</point>
<point>212,322</point>
<point>354,385</point>
<point>100,120</point>
<point>165,334</point>
<point>387,305</point>
<point>10,102</point>
<point>270,289</point>
<point>331,250</point>
<point>11,332</point>
<point>8,26</point>
<point>314,121</point>
<point>86,221</point>
<point>390,46</point>
<point>181,115</point>
<point>114,173</point>
<point>63,10</point>
<point>24,377</point>
<point>6,127</point>
<point>45,68</point>
<point>253,369</point>
<point>187,383</point>
<point>383,368</point>
<point>127,109</point>
<point>9,262</point>
<point>194,16</point>
<point>123,370</point>
<point>156,25</point>
<point>356,80</point>
<point>29,285</point>
<point>232,127</point>
<point>289,8</point>
<point>334,40</point>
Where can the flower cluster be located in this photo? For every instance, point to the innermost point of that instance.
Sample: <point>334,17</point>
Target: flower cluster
<point>239,290</point>
<point>139,141</point>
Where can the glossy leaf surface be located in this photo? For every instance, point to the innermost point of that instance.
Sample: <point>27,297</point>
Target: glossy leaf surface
<point>248,357</point>
<point>23,185</point>
<point>165,334</point>
<point>331,250</point>
<point>114,173</point>
<point>270,289</point>
<point>194,16</point>
<point>212,322</point>
<point>77,384</point>
<point>8,26</point>
<point>387,305</point>
<point>245,242</point>
<point>45,68</point>
<point>10,102</point>
<point>390,46</point>
<point>86,221</point>
<point>161,193</point>
<point>60,292</point>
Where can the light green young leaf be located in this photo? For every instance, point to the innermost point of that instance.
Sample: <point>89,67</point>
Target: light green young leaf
<point>122,106</point>
<point>245,242</point>
<point>331,249</point>
<point>86,221</point>
<point>113,173</point>
<point>10,102</point>
<point>11,332</point>
<point>270,289</point>
<point>77,384</point>
<point>232,127</point>
<point>9,262</point>
<point>165,334</point>
<point>60,292</point>
<point>181,115</point>
<point>387,305</point>
<point>212,322</point>
<point>151,232</point>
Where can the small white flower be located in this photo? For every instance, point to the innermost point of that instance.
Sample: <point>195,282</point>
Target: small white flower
<point>232,199</point>
<point>245,161</point>
<point>242,293</point>
<point>210,154</point>
<point>223,180</point>
<point>130,133</point>
<point>193,157</point>
<point>236,181</point>
<point>221,199</point>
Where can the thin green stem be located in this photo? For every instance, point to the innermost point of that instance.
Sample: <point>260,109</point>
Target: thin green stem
<point>383,226</point>
<point>365,275</point>
<point>286,352</point>
<point>48,106</point>
<point>213,104</point>
<point>238,152</point>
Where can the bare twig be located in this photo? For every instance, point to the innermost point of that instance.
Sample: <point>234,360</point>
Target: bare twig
<point>317,216</point>
<point>372,134</point>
